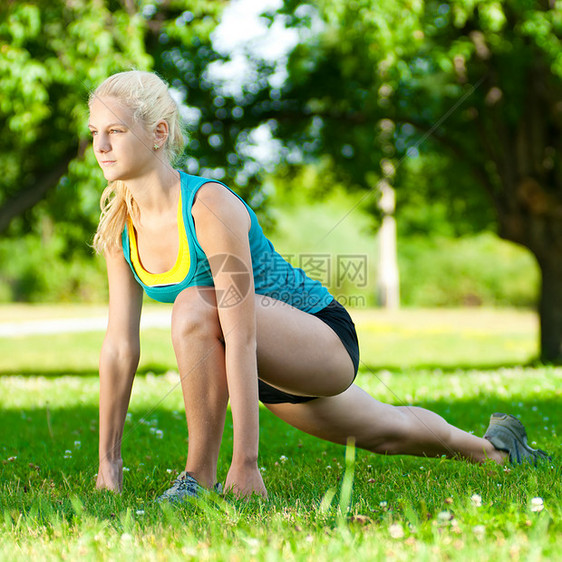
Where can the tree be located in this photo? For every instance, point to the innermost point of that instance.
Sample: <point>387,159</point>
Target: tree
<point>52,55</point>
<point>379,89</point>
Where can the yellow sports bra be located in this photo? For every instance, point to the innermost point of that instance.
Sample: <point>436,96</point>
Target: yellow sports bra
<point>180,269</point>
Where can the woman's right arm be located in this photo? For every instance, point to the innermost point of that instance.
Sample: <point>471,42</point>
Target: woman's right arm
<point>118,363</point>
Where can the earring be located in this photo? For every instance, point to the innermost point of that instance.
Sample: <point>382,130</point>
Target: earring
<point>156,147</point>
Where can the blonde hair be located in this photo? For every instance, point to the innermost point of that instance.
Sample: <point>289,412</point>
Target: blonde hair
<point>148,96</point>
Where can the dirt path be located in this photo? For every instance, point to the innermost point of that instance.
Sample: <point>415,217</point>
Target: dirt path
<point>150,319</point>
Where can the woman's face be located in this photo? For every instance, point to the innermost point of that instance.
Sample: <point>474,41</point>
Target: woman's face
<point>123,147</point>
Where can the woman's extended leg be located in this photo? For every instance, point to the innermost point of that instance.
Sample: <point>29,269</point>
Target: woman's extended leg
<point>300,354</point>
<point>386,429</point>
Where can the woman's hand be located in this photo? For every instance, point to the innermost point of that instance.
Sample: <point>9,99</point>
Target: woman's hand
<point>110,475</point>
<point>245,481</point>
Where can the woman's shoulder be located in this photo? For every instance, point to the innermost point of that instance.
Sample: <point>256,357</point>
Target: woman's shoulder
<point>210,198</point>
<point>195,186</point>
<point>194,182</point>
<point>213,197</point>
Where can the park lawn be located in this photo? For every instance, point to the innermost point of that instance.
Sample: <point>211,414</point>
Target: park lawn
<point>325,502</point>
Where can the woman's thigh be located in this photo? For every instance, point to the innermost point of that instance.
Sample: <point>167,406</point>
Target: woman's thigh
<point>298,352</point>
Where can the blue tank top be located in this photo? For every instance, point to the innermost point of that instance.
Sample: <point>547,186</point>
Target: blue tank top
<point>273,275</point>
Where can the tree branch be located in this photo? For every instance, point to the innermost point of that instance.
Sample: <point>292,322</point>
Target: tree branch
<point>43,180</point>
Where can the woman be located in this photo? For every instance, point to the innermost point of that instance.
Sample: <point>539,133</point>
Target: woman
<point>239,311</point>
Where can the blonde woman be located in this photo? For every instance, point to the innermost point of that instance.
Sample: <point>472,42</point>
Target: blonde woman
<point>246,325</point>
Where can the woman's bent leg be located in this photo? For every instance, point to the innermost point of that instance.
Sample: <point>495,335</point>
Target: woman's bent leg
<point>199,349</point>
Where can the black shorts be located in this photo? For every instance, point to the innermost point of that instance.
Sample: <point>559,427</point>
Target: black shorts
<point>337,317</point>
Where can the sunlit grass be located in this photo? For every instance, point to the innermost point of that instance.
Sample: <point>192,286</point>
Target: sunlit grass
<point>400,507</point>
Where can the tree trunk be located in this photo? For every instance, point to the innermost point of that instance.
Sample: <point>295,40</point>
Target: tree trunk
<point>539,229</point>
<point>550,308</point>
<point>388,291</point>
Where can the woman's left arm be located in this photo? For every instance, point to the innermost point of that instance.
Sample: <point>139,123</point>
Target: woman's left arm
<point>222,224</point>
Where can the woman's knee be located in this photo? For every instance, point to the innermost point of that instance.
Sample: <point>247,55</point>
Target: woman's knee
<point>195,315</point>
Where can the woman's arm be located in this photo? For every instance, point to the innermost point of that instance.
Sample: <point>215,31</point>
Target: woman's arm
<point>222,224</point>
<point>118,363</point>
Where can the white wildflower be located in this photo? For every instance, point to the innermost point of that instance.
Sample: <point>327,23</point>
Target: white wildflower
<point>283,458</point>
<point>159,434</point>
<point>476,500</point>
<point>537,504</point>
<point>479,530</point>
<point>396,531</point>
<point>444,516</point>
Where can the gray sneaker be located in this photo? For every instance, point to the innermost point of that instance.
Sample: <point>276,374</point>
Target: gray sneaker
<point>507,433</point>
<point>185,486</point>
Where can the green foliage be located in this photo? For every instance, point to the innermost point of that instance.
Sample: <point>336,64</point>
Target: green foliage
<point>52,55</point>
<point>458,94</point>
<point>437,267</point>
<point>49,61</point>
<point>37,269</point>
<point>470,271</point>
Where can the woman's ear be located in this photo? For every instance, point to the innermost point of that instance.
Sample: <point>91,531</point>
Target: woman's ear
<point>161,133</point>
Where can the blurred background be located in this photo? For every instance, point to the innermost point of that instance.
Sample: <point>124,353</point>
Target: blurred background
<point>406,153</point>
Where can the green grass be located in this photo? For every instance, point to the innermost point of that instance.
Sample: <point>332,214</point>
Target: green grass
<point>400,507</point>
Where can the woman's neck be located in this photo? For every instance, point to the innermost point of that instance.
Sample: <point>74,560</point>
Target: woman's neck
<point>157,191</point>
